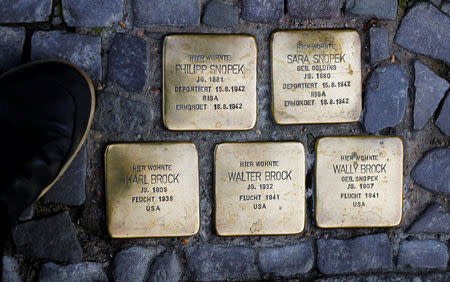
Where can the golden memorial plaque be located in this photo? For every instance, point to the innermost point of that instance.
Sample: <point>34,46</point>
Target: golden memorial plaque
<point>260,188</point>
<point>316,76</point>
<point>359,181</point>
<point>209,82</point>
<point>152,190</point>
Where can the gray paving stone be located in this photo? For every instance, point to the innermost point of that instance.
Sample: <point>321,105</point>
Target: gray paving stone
<point>210,262</point>
<point>436,3</point>
<point>262,10</point>
<point>88,13</point>
<point>385,98</point>
<point>434,220</point>
<point>219,14</point>
<point>11,46</point>
<point>82,50</point>
<point>14,11</point>
<point>133,264</point>
<point>313,9</point>
<point>446,8</point>
<point>83,271</point>
<point>425,30</point>
<point>117,114</point>
<point>430,89</point>
<point>27,214</point>
<point>443,120</point>
<point>128,62</point>
<point>286,261</point>
<point>169,12</point>
<point>71,187</point>
<point>390,277</point>
<point>10,269</point>
<point>423,254</point>
<point>379,45</point>
<point>369,252</point>
<point>381,9</point>
<point>52,238</point>
<point>166,268</point>
<point>432,172</point>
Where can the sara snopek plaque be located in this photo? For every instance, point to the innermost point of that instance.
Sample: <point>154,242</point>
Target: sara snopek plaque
<point>209,82</point>
<point>152,190</point>
<point>359,181</point>
<point>259,188</point>
<point>316,76</point>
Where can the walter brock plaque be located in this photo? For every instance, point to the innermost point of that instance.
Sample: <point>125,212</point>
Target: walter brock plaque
<point>152,190</point>
<point>316,76</point>
<point>359,181</point>
<point>209,82</point>
<point>259,188</point>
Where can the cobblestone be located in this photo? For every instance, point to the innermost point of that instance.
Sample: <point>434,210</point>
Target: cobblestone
<point>262,10</point>
<point>381,9</point>
<point>434,220</point>
<point>219,14</point>
<point>166,268</point>
<point>170,12</point>
<point>83,271</point>
<point>313,9</point>
<point>132,264</point>
<point>379,45</point>
<point>13,11</point>
<point>87,13</point>
<point>446,8</point>
<point>429,172</point>
<point>443,120</point>
<point>10,270</point>
<point>11,46</point>
<point>423,254</point>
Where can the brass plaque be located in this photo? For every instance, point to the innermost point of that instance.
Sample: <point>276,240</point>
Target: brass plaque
<point>359,181</point>
<point>209,82</point>
<point>316,76</point>
<point>260,188</point>
<point>152,190</point>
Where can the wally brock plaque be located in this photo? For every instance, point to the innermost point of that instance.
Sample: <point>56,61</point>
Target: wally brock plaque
<point>152,190</point>
<point>209,82</point>
<point>260,188</point>
<point>359,181</point>
<point>316,76</point>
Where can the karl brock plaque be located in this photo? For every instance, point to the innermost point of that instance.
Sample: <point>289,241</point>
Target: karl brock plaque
<point>259,188</point>
<point>359,181</point>
<point>152,190</point>
<point>209,82</point>
<point>316,76</point>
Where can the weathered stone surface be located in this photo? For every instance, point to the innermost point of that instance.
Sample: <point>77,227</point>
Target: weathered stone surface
<point>10,269</point>
<point>423,254</point>
<point>168,12</point>
<point>88,13</point>
<point>370,252</point>
<point>385,98</point>
<point>117,114</point>
<point>313,9</point>
<point>11,46</point>
<point>430,89</point>
<point>83,271</point>
<point>379,45</point>
<point>434,220</point>
<point>446,8</point>
<point>390,277</point>
<point>381,9</point>
<point>71,187</point>
<point>14,11</point>
<point>209,262</point>
<point>128,62</point>
<point>433,171</point>
<point>262,10</point>
<point>425,30</point>
<point>27,214</point>
<point>436,3</point>
<point>219,14</point>
<point>52,238</point>
<point>166,268</point>
<point>443,120</point>
<point>132,264</point>
<point>287,260</point>
<point>82,50</point>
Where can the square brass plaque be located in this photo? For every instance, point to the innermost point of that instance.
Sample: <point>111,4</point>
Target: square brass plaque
<point>152,190</point>
<point>209,82</point>
<point>316,76</point>
<point>260,188</point>
<point>359,181</point>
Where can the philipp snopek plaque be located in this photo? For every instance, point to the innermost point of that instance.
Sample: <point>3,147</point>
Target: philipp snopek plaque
<point>259,188</point>
<point>209,82</point>
<point>152,190</point>
<point>316,76</point>
<point>359,181</point>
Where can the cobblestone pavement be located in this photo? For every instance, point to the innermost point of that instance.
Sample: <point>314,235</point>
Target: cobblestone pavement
<point>405,49</point>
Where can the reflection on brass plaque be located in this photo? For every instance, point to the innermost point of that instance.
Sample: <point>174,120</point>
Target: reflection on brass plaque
<point>359,181</point>
<point>316,76</point>
<point>260,188</point>
<point>152,190</point>
<point>209,82</point>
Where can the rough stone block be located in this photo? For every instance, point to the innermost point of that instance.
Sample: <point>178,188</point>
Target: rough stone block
<point>381,9</point>
<point>88,13</point>
<point>313,9</point>
<point>423,254</point>
<point>83,271</point>
<point>169,12</point>
<point>379,45</point>
<point>446,8</point>
<point>10,270</point>
<point>132,264</point>
<point>166,268</point>
<point>434,220</point>
<point>219,14</point>
<point>262,10</point>
<point>443,120</point>
<point>11,46</point>
<point>432,171</point>
<point>14,11</point>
